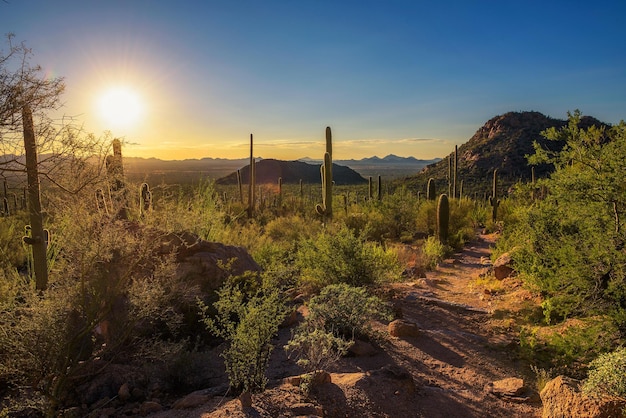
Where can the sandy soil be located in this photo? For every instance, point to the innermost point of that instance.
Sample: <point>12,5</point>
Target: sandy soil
<point>445,371</point>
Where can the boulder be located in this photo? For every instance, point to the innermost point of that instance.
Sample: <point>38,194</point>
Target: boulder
<point>394,378</point>
<point>403,328</point>
<point>362,349</point>
<point>503,266</point>
<point>149,407</point>
<point>511,388</point>
<point>562,398</point>
<point>207,264</point>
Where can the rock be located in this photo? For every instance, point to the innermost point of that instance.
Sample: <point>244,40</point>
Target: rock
<point>201,262</point>
<point>149,407</point>
<point>124,392</point>
<point>191,401</point>
<point>362,349</point>
<point>246,400</point>
<point>561,398</point>
<point>502,268</point>
<point>403,328</point>
<point>293,380</point>
<point>509,388</point>
<point>392,377</point>
<point>321,377</point>
<point>306,409</point>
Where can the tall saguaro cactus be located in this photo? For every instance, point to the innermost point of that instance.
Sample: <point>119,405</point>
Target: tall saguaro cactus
<point>145,199</point>
<point>252,180</point>
<point>380,188</point>
<point>430,189</point>
<point>37,237</point>
<point>454,175</point>
<point>443,218</point>
<point>493,200</point>
<point>326,208</point>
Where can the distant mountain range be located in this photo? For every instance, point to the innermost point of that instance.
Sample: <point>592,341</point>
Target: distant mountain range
<point>155,170</point>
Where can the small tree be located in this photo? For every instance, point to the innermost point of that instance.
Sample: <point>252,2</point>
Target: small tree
<point>248,324</point>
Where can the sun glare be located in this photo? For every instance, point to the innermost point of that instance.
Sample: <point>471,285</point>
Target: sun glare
<point>120,107</point>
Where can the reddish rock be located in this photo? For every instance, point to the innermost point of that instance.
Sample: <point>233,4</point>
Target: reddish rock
<point>149,407</point>
<point>403,328</point>
<point>362,349</point>
<point>203,262</point>
<point>503,267</point>
<point>561,398</point>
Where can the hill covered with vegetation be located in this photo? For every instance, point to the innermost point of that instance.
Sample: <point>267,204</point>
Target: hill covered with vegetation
<point>503,143</point>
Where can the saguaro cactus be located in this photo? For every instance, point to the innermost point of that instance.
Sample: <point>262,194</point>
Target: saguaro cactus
<point>380,188</point>
<point>240,186</point>
<point>493,200</point>
<point>115,171</point>
<point>443,218</point>
<point>252,180</point>
<point>326,208</point>
<point>280,191</point>
<point>454,175</point>
<point>533,184</point>
<point>36,240</point>
<point>370,188</point>
<point>145,199</point>
<point>430,189</point>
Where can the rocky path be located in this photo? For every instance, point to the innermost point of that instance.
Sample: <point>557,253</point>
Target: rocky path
<point>458,364</point>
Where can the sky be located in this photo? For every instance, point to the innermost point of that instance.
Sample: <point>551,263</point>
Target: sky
<point>412,78</point>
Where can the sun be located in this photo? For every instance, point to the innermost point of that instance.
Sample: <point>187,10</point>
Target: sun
<point>120,107</point>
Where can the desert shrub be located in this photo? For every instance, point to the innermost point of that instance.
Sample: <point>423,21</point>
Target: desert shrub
<point>392,218</point>
<point>247,323</point>
<point>433,251</point>
<point>426,219</point>
<point>199,211</point>
<point>315,348</point>
<point>568,258</point>
<point>568,347</point>
<point>106,278</point>
<point>461,227</point>
<point>12,251</point>
<point>607,375</point>
<point>339,256</point>
<point>346,311</point>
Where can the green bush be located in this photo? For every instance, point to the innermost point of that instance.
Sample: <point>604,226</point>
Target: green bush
<point>567,347</point>
<point>607,375</point>
<point>342,257</point>
<point>433,252</point>
<point>346,311</point>
<point>247,323</point>
<point>316,349</point>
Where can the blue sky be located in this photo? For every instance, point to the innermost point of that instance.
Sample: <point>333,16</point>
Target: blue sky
<point>403,77</point>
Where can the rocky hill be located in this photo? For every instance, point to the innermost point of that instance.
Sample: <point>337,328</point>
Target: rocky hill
<point>269,170</point>
<point>502,143</point>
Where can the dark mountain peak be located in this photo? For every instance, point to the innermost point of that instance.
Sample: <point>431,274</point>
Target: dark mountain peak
<point>269,170</point>
<point>395,159</point>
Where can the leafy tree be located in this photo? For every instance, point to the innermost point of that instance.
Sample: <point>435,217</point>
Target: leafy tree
<point>571,245</point>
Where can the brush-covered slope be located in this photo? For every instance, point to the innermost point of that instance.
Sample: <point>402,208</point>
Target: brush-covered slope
<point>269,170</point>
<point>502,143</point>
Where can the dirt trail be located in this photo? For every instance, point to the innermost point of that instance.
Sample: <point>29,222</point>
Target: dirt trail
<point>442,372</point>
